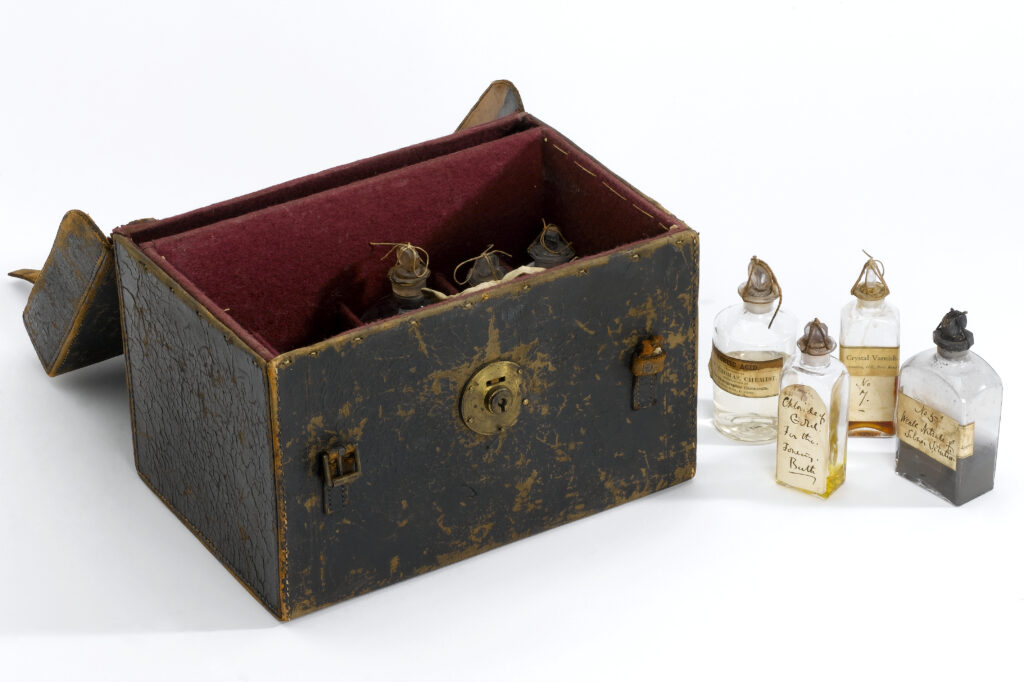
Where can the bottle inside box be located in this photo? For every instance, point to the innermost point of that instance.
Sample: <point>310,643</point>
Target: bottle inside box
<point>293,265</point>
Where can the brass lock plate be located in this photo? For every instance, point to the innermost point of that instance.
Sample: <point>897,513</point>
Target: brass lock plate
<point>493,398</point>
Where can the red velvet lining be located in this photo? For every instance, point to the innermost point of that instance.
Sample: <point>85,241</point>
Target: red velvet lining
<point>292,265</point>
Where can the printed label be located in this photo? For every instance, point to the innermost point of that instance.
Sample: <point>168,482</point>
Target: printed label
<point>935,434</point>
<point>802,447</point>
<point>747,377</point>
<point>872,381</point>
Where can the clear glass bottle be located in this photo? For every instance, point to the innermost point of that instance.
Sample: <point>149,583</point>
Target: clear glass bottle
<point>750,344</point>
<point>407,277</point>
<point>813,405</point>
<point>869,346</point>
<point>550,248</point>
<point>947,416</point>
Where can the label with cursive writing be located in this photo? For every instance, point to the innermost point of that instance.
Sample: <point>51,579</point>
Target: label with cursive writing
<point>872,381</point>
<point>937,435</point>
<point>754,374</point>
<point>801,458</point>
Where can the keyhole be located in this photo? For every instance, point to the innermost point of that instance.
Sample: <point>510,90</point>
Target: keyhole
<point>498,400</point>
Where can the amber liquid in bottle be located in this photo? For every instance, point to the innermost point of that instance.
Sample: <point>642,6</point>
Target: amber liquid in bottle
<point>869,340</point>
<point>873,428</point>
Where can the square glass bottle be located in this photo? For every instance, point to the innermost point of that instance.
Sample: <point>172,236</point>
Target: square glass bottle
<point>947,416</point>
<point>869,347</point>
<point>813,404</point>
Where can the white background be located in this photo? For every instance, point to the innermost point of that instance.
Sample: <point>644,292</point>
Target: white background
<point>797,131</point>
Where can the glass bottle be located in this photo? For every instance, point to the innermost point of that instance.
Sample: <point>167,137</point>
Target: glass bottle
<point>813,404</point>
<point>750,344</point>
<point>550,248</point>
<point>947,416</point>
<point>407,277</point>
<point>869,346</point>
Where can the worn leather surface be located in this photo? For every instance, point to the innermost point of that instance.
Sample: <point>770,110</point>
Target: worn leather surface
<point>501,98</point>
<point>430,490</point>
<point>200,420</point>
<point>72,313</point>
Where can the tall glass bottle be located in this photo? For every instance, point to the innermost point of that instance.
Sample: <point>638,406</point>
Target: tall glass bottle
<point>407,277</point>
<point>813,404</point>
<point>750,344</point>
<point>869,346</point>
<point>947,416</point>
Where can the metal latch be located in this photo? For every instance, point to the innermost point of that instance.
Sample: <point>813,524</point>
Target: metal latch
<point>648,363</point>
<point>493,398</point>
<point>339,468</point>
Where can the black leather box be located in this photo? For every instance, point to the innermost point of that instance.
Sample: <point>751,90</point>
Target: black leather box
<point>320,457</point>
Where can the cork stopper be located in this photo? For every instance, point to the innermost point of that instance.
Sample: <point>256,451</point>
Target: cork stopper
<point>550,248</point>
<point>952,333</point>
<point>409,273</point>
<point>870,285</point>
<point>816,340</point>
<point>761,285</point>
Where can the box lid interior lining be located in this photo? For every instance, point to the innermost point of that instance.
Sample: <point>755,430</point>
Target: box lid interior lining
<point>292,265</point>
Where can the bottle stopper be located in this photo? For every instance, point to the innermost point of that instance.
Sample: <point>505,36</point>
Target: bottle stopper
<point>816,340</point>
<point>409,273</point>
<point>550,248</point>
<point>952,333</point>
<point>761,285</point>
<point>870,284</point>
<point>486,267</point>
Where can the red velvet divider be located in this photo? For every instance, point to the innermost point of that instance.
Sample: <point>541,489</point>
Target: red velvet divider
<point>293,265</point>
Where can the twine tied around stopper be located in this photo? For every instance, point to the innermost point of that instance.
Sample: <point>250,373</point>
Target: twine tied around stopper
<point>559,251</point>
<point>866,288</point>
<point>489,258</point>
<point>761,286</point>
<point>410,271</point>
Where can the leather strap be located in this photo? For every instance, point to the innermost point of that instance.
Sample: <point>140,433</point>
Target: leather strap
<point>499,99</point>
<point>648,363</point>
<point>26,274</point>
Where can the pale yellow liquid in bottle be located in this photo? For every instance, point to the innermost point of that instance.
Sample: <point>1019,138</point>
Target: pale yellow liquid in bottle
<point>836,468</point>
<point>753,420</point>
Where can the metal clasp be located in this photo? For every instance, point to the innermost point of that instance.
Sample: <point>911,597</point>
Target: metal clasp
<point>339,468</point>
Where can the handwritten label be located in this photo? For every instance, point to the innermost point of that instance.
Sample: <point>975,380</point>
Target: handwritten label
<point>872,381</point>
<point>747,378</point>
<point>937,435</point>
<point>801,454</point>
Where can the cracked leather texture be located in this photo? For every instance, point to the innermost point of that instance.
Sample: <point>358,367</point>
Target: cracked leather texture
<point>201,425</point>
<point>73,306</point>
<point>431,491</point>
